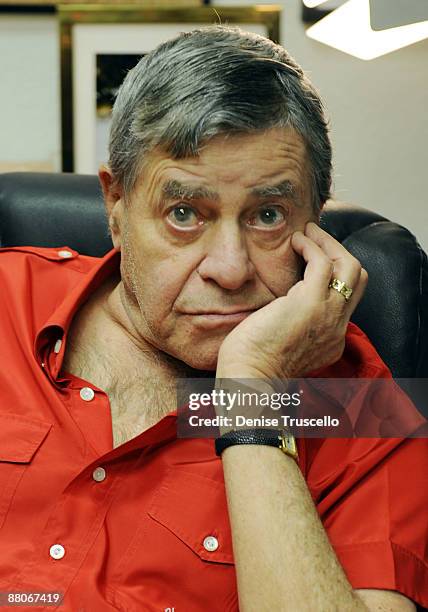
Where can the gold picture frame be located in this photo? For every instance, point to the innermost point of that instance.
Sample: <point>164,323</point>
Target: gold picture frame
<point>113,26</point>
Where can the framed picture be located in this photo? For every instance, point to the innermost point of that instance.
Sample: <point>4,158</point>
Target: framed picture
<point>100,43</point>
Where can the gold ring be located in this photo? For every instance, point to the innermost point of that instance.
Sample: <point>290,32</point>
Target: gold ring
<point>341,287</point>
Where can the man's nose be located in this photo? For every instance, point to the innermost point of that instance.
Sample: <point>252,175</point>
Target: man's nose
<point>227,261</point>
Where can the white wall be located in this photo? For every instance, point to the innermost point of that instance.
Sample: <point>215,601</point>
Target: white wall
<point>379,119</point>
<point>29,93</point>
<point>378,111</point>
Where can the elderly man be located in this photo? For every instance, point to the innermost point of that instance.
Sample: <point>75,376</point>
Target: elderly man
<point>219,166</point>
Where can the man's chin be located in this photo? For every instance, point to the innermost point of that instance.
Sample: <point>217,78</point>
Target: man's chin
<point>201,364</point>
<point>194,350</point>
<point>199,358</point>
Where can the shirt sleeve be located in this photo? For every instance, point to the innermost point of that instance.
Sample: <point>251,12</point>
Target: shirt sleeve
<point>372,493</point>
<point>372,497</point>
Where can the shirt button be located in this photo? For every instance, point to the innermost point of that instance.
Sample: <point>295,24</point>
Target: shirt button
<point>99,474</point>
<point>210,543</point>
<point>65,254</point>
<point>57,346</point>
<point>87,394</point>
<point>57,551</point>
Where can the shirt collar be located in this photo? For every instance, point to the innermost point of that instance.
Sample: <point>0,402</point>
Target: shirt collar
<point>49,344</point>
<point>57,326</point>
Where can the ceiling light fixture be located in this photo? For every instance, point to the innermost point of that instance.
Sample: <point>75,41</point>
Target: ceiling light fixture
<point>348,29</point>
<point>313,3</point>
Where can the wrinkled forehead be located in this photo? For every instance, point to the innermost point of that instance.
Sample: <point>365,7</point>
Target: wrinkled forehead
<point>267,163</point>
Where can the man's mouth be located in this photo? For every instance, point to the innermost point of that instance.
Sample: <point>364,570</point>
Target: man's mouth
<point>216,318</point>
<point>223,312</point>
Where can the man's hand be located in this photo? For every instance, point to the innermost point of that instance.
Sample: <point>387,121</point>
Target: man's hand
<point>304,330</point>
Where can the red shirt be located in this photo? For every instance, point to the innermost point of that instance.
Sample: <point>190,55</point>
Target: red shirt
<point>125,528</point>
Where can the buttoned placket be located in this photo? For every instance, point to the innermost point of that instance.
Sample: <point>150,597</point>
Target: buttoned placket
<point>59,553</point>
<point>94,421</point>
<point>91,409</point>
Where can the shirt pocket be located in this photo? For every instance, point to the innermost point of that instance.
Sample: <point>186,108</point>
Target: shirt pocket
<point>182,555</point>
<point>194,509</point>
<point>20,438</point>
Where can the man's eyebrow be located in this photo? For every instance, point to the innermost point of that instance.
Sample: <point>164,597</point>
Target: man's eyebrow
<point>175,190</point>
<point>284,189</point>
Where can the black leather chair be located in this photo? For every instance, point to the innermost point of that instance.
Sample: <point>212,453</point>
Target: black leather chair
<point>66,209</point>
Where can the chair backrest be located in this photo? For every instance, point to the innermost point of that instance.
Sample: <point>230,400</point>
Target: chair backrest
<point>51,210</point>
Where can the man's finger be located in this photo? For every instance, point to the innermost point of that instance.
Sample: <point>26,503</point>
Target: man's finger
<point>346,267</point>
<point>341,257</point>
<point>348,306</point>
<point>319,267</point>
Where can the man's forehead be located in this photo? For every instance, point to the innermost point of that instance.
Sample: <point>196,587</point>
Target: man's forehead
<point>272,163</point>
<point>285,140</point>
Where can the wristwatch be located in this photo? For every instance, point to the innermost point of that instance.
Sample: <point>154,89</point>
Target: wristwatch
<point>280,438</point>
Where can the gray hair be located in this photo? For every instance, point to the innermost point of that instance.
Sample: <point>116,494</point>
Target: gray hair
<point>215,80</point>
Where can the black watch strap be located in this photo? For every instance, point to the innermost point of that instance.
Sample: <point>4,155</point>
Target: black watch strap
<point>280,438</point>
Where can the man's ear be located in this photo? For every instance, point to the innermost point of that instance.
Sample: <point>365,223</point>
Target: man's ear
<point>113,201</point>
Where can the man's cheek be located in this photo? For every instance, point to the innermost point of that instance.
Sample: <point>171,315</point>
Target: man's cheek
<point>157,298</point>
<point>282,274</point>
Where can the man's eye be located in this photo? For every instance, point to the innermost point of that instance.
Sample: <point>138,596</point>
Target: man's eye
<point>269,216</point>
<point>183,216</point>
